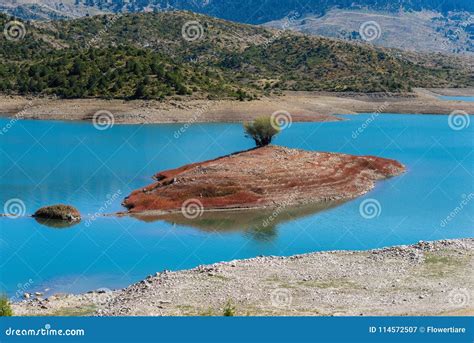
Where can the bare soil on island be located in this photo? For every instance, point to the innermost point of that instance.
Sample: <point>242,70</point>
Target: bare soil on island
<point>419,280</point>
<point>303,106</point>
<point>263,178</point>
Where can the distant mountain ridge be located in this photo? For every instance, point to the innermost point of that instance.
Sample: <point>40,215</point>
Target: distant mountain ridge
<point>47,9</point>
<point>243,11</point>
<point>258,12</point>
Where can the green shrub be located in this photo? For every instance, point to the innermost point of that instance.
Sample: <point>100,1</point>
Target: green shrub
<point>5,308</point>
<point>261,130</point>
<point>229,309</point>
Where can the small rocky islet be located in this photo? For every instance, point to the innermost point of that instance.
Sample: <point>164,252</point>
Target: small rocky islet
<point>64,213</point>
<point>265,177</point>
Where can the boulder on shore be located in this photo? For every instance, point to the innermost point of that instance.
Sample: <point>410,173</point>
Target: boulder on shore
<point>61,212</point>
<point>267,177</point>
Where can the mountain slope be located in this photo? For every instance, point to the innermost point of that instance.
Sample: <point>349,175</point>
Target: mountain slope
<point>418,31</point>
<point>47,9</point>
<point>258,12</point>
<point>421,25</point>
<point>153,55</point>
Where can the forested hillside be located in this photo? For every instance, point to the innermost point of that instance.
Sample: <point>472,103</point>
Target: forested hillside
<point>149,56</point>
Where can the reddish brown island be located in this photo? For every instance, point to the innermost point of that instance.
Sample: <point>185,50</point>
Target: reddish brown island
<point>263,178</point>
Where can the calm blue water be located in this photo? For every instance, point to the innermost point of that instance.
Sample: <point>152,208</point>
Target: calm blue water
<point>45,162</point>
<point>457,98</point>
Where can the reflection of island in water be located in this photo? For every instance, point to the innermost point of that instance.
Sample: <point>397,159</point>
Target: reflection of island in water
<point>55,223</point>
<point>260,224</point>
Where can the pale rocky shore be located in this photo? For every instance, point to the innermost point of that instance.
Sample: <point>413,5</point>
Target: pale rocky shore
<point>453,91</point>
<point>303,106</point>
<point>428,278</point>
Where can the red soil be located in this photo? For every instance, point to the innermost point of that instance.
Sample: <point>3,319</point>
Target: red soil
<point>264,177</point>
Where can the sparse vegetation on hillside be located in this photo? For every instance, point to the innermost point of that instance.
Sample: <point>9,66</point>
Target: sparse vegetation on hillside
<point>144,56</point>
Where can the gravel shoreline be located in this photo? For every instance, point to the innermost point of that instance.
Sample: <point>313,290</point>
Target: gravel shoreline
<point>303,107</point>
<point>428,278</point>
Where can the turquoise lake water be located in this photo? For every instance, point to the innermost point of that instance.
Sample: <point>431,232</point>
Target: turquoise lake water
<point>457,98</point>
<point>45,162</point>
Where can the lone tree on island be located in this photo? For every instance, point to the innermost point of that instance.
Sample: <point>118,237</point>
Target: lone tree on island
<point>261,130</point>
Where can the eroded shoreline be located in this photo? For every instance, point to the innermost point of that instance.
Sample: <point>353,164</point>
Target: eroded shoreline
<point>303,107</point>
<point>428,278</point>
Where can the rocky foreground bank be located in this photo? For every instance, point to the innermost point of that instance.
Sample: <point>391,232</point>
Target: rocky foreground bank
<point>266,177</point>
<point>428,278</point>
